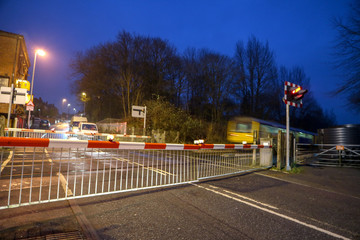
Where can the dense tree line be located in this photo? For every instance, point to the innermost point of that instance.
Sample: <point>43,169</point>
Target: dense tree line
<point>206,85</point>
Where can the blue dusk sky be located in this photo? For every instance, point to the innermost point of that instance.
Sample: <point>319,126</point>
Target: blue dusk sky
<point>300,32</point>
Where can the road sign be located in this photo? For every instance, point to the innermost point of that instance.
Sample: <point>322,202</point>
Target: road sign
<point>5,93</point>
<point>19,95</point>
<point>138,111</point>
<point>30,106</point>
<point>340,147</point>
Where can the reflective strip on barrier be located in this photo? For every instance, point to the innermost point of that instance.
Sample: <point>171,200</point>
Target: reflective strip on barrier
<point>65,143</point>
<point>132,145</point>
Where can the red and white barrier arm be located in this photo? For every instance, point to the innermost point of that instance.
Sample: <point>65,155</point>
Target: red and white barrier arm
<point>65,143</point>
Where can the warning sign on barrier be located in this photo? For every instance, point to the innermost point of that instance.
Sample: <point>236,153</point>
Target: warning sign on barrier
<point>340,147</point>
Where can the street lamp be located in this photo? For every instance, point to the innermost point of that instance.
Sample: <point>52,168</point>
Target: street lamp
<point>41,53</point>
<point>62,106</point>
<point>83,94</point>
<point>68,110</point>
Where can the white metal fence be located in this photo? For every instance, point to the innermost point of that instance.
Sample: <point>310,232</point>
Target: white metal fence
<point>46,170</point>
<point>38,133</point>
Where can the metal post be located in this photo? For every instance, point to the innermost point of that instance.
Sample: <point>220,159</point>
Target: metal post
<point>294,148</point>
<point>32,87</point>
<point>279,150</point>
<point>145,120</point>
<point>10,103</point>
<point>288,168</point>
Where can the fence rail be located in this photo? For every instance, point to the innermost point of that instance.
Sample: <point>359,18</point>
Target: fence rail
<point>38,133</point>
<point>328,155</point>
<point>46,170</point>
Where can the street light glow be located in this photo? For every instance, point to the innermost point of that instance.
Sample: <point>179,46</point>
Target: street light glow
<point>40,52</point>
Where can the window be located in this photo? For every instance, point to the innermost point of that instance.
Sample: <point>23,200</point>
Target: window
<point>243,127</point>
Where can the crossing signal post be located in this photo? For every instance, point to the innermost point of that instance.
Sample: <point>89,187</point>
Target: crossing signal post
<point>293,95</point>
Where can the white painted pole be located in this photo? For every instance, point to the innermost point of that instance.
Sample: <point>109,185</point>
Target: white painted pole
<point>145,118</point>
<point>288,168</point>
<point>10,103</point>
<point>32,87</point>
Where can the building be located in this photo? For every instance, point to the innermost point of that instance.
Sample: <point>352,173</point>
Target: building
<point>14,67</point>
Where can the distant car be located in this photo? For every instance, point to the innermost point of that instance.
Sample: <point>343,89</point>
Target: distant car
<point>75,122</point>
<point>85,127</point>
<point>38,123</point>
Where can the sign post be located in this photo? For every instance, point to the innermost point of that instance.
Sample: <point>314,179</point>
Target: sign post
<point>10,103</point>
<point>293,95</point>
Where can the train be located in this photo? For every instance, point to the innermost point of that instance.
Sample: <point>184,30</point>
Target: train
<point>248,130</point>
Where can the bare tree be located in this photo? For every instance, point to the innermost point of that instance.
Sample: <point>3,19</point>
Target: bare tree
<point>209,78</point>
<point>257,75</point>
<point>126,72</point>
<point>348,55</point>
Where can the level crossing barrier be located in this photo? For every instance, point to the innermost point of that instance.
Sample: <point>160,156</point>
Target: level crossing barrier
<point>333,155</point>
<point>39,133</point>
<point>35,170</point>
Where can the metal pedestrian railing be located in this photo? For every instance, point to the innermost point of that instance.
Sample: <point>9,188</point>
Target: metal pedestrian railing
<point>39,133</point>
<point>328,154</point>
<point>46,170</point>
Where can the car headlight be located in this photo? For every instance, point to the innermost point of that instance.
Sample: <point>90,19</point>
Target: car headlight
<point>110,137</point>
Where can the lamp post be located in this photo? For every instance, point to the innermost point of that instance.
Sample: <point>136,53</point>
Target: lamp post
<point>83,97</point>
<point>41,53</point>
<point>62,106</point>
<point>68,110</point>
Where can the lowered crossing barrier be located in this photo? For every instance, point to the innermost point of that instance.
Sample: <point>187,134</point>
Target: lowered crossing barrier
<point>37,170</point>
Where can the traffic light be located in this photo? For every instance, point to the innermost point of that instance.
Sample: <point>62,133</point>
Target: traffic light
<point>296,94</point>
<point>293,94</point>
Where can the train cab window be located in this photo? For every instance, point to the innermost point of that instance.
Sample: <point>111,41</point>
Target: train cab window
<point>243,127</point>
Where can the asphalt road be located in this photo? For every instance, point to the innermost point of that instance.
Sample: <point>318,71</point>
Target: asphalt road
<point>319,203</point>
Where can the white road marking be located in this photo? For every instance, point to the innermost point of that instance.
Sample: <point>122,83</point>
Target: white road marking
<point>64,185</point>
<point>3,165</point>
<point>247,198</point>
<point>160,171</point>
<point>275,213</point>
<point>63,181</point>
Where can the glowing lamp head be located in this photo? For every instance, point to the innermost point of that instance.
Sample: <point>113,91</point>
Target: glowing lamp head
<point>40,52</point>
<point>296,90</point>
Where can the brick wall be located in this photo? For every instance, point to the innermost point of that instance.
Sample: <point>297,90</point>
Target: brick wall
<point>14,60</point>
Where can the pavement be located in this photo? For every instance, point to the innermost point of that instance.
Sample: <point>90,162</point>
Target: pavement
<point>236,207</point>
